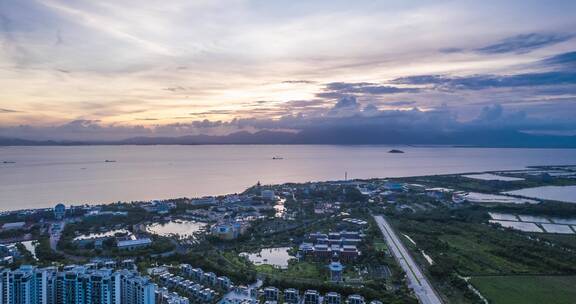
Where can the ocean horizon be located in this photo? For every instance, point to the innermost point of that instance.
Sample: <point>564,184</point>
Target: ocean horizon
<point>40,177</point>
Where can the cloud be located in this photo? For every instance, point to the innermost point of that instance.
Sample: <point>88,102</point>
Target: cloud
<point>11,44</point>
<point>491,113</point>
<point>299,81</point>
<point>4,110</point>
<point>178,89</point>
<point>106,25</point>
<point>221,59</point>
<point>348,102</point>
<point>304,104</point>
<point>450,50</point>
<point>564,61</point>
<point>354,124</point>
<point>524,43</point>
<point>212,112</point>
<point>400,103</point>
<point>336,90</point>
<point>479,82</point>
<point>370,110</point>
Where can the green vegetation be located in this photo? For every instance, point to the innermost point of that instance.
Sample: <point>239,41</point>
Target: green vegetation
<point>461,243</point>
<point>295,270</point>
<point>380,246</point>
<point>527,289</point>
<point>565,240</point>
<point>237,268</point>
<point>13,233</point>
<point>26,256</point>
<point>458,241</point>
<point>45,253</point>
<point>374,274</point>
<point>488,186</point>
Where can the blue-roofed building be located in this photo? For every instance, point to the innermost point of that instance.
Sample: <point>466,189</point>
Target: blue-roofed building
<point>59,211</point>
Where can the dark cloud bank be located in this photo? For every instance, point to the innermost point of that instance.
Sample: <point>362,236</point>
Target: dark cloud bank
<point>347,122</point>
<point>525,43</point>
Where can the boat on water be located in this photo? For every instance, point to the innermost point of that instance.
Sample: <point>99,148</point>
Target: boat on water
<point>277,158</point>
<point>395,151</point>
<point>109,161</point>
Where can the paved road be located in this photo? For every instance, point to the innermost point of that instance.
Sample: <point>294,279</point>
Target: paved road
<point>55,235</point>
<point>416,279</point>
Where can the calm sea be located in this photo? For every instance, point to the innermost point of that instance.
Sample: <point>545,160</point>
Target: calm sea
<point>44,176</point>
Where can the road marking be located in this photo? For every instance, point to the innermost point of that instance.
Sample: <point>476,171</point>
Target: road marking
<point>418,282</point>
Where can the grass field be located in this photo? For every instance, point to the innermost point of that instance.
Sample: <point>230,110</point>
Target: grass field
<point>475,256</point>
<point>527,289</point>
<point>302,270</point>
<point>380,246</point>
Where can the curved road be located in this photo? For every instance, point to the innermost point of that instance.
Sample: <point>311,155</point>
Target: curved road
<point>417,281</point>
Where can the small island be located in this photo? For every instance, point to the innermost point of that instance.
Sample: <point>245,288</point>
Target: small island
<point>395,151</point>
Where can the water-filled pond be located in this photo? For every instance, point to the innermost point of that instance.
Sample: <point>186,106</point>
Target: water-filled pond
<point>556,193</point>
<point>180,228</point>
<point>278,257</point>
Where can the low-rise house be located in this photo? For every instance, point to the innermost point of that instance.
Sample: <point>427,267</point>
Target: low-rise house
<point>209,278</point>
<point>392,186</point>
<point>229,230</point>
<point>197,274</point>
<point>207,295</point>
<point>332,298</point>
<point>13,226</point>
<point>204,201</point>
<point>134,244</point>
<point>271,294</point>
<point>355,299</point>
<point>163,295</point>
<point>268,195</point>
<point>157,271</point>
<point>8,253</point>
<point>224,283</point>
<point>311,297</point>
<point>159,207</point>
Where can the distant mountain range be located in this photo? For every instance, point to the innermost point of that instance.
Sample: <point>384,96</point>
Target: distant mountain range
<point>343,136</point>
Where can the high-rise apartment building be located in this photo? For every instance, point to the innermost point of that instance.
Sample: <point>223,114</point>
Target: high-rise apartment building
<point>74,285</point>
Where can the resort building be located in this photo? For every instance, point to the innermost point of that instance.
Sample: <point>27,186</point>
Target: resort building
<point>59,211</point>
<point>229,230</point>
<point>134,244</point>
<point>324,246</point>
<point>336,270</point>
<point>268,195</point>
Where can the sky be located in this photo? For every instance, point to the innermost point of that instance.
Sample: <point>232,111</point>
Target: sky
<point>113,69</point>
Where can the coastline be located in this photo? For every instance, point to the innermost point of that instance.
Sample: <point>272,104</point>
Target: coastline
<point>335,181</point>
